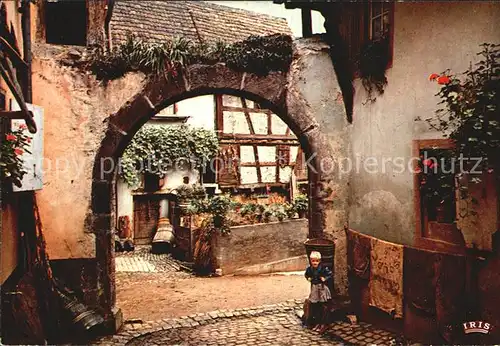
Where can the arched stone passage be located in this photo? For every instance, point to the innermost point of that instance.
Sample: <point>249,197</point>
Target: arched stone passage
<point>271,91</point>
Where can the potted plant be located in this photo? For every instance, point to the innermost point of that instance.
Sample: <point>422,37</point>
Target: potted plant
<point>280,214</point>
<point>184,193</point>
<point>198,191</point>
<point>266,215</point>
<point>12,148</point>
<point>301,205</point>
<point>289,210</point>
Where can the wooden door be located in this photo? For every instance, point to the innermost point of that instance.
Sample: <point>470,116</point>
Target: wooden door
<point>146,215</point>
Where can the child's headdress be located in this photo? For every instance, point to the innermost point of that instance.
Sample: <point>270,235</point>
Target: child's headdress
<point>315,255</point>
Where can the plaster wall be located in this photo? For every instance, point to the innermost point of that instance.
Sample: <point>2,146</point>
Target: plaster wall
<point>428,38</point>
<point>312,80</point>
<point>272,241</point>
<point>200,110</point>
<point>75,106</point>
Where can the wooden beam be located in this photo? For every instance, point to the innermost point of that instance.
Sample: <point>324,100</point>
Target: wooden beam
<point>263,164</point>
<point>269,123</point>
<point>219,121</point>
<point>252,131</point>
<point>255,136</point>
<point>12,53</point>
<point>306,22</point>
<point>241,109</point>
<point>261,142</point>
<point>247,116</point>
<point>13,114</point>
<point>6,70</point>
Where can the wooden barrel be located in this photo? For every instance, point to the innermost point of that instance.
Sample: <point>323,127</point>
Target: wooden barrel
<point>83,318</point>
<point>327,250</point>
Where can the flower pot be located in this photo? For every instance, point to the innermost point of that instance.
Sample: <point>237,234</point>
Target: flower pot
<point>302,214</point>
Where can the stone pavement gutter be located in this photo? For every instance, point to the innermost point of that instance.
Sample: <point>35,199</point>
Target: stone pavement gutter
<point>276,324</point>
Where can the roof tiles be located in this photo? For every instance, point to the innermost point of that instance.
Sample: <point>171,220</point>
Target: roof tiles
<point>158,21</point>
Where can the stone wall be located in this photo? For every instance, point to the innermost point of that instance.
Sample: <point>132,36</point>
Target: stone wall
<point>314,90</point>
<point>75,106</point>
<point>260,243</point>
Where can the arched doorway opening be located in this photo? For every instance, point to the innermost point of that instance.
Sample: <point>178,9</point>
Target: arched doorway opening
<point>259,175</point>
<point>159,93</point>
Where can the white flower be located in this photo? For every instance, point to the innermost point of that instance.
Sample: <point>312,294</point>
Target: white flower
<point>453,94</point>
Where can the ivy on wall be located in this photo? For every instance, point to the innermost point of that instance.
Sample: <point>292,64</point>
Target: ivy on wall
<point>156,149</point>
<point>256,54</point>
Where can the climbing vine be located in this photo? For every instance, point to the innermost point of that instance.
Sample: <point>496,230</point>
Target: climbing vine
<point>256,54</point>
<point>156,149</point>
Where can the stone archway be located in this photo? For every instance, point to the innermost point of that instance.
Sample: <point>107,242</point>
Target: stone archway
<point>272,91</point>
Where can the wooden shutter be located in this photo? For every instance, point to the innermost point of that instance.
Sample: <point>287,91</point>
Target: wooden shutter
<point>353,29</point>
<point>283,158</point>
<point>300,166</point>
<point>227,170</point>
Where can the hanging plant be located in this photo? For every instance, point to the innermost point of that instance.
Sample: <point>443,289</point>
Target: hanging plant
<point>256,54</point>
<point>373,61</point>
<point>14,145</point>
<point>156,149</point>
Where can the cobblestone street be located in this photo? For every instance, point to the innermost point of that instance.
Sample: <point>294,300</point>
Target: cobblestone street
<point>277,324</point>
<point>142,260</point>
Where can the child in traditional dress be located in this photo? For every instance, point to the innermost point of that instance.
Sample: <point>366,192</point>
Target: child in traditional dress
<point>320,294</point>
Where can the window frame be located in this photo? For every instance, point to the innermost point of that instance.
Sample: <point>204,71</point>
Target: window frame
<point>369,29</point>
<point>355,27</point>
<point>49,10</point>
<point>420,240</point>
<point>174,115</point>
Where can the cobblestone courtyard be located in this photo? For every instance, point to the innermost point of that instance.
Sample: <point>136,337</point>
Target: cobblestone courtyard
<point>266,325</point>
<point>171,292</point>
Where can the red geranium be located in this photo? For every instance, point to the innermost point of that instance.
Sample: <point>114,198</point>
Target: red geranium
<point>433,76</point>
<point>18,151</point>
<point>443,80</point>
<point>11,137</point>
<point>23,126</point>
<point>429,163</point>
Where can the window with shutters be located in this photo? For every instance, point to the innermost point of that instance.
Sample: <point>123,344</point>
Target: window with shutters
<point>362,22</point>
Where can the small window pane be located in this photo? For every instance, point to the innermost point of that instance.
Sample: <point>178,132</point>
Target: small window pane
<point>377,28</point>
<point>376,8</point>
<point>386,22</point>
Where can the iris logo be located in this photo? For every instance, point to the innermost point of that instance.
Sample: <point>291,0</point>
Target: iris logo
<point>477,327</point>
